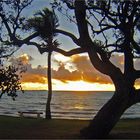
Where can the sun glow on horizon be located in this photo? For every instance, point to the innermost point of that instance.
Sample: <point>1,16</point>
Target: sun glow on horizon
<point>66,76</point>
<point>85,86</point>
<point>34,86</point>
<point>69,86</point>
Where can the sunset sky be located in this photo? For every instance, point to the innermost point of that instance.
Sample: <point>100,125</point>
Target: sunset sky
<point>68,73</point>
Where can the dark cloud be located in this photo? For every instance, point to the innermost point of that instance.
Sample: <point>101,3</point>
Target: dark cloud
<point>23,59</point>
<point>40,70</point>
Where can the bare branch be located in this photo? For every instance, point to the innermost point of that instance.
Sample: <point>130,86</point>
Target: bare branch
<point>136,46</point>
<point>40,49</point>
<point>69,5</point>
<point>74,38</point>
<point>27,39</point>
<point>6,25</point>
<point>8,55</point>
<point>47,49</point>
<point>71,52</point>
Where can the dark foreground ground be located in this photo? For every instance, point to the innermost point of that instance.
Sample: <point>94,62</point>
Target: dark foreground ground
<point>29,128</point>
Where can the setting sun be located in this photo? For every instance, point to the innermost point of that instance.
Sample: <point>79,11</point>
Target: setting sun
<point>69,86</point>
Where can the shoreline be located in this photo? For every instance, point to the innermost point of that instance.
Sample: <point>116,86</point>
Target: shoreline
<point>65,118</point>
<point>32,128</point>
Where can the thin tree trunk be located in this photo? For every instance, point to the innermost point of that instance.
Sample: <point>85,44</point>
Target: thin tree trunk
<point>48,108</point>
<point>106,118</point>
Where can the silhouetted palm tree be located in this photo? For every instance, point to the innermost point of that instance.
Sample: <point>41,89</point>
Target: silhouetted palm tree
<point>44,23</point>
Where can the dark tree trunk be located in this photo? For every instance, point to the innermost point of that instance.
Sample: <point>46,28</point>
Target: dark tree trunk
<point>48,108</point>
<point>107,117</point>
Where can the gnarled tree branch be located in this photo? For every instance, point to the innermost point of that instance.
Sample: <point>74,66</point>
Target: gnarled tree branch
<point>7,26</point>
<point>71,52</point>
<point>55,49</point>
<point>74,38</point>
<point>27,39</point>
<point>97,55</point>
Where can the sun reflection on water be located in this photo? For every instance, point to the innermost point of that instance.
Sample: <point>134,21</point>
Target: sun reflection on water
<point>79,106</point>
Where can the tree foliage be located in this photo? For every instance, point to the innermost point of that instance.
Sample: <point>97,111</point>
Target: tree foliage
<point>11,20</point>
<point>44,23</point>
<point>10,81</point>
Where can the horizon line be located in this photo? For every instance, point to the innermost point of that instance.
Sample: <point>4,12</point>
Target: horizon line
<point>72,90</point>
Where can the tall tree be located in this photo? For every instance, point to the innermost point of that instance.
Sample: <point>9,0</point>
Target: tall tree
<point>44,23</point>
<point>121,19</point>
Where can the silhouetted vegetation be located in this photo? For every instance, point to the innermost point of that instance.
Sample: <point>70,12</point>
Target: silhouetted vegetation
<point>44,23</point>
<point>10,75</point>
<point>105,28</point>
<point>9,81</point>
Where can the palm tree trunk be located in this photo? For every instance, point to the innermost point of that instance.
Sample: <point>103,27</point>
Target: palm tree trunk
<point>48,108</point>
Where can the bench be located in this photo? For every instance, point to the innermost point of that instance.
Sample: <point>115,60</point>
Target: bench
<point>21,113</point>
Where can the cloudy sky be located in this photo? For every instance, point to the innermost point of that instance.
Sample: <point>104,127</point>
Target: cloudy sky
<point>68,73</point>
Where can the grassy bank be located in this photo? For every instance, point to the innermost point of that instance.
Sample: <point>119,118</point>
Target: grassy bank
<point>12,127</point>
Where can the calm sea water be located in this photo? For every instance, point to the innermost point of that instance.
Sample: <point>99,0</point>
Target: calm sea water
<point>68,105</point>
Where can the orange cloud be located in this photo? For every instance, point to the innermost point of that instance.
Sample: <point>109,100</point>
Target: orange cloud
<point>32,75</point>
<point>33,78</point>
<point>25,59</point>
<point>35,75</point>
<point>82,70</point>
<point>65,75</point>
<point>87,71</point>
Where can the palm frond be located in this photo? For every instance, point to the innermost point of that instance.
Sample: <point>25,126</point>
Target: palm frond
<point>44,23</point>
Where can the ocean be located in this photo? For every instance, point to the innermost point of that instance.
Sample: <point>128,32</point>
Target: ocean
<point>65,104</point>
